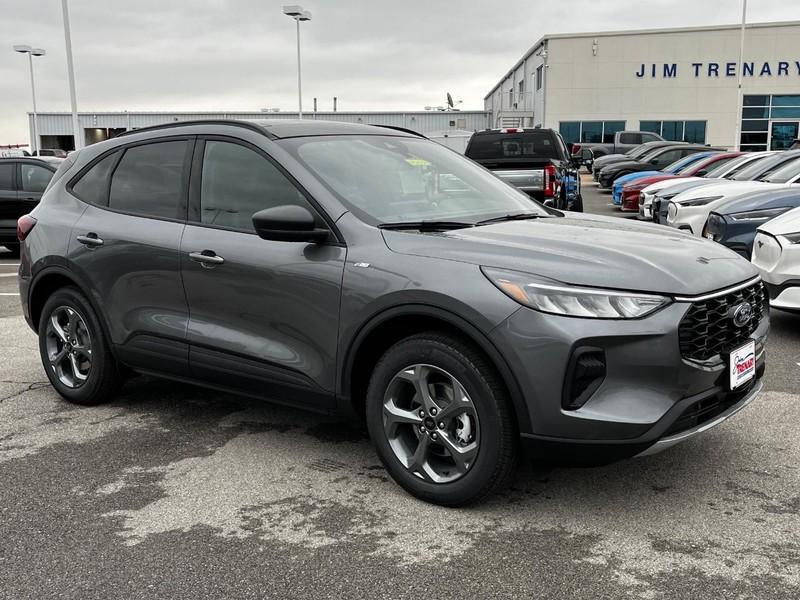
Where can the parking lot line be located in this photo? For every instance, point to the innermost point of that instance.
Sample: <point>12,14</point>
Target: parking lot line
<point>8,274</point>
<point>9,293</point>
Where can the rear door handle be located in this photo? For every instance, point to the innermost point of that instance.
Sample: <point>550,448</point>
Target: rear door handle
<point>207,258</point>
<point>90,240</point>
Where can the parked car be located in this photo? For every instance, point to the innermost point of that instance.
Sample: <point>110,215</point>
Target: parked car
<point>635,153</point>
<point>689,210</point>
<point>534,160</point>
<point>623,142</point>
<point>703,163</point>
<point>650,201</point>
<point>22,181</point>
<point>776,254</point>
<point>56,152</point>
<point>734,224</point>
<point>673,169</point>
<point>324,265</point>
<point>654,161</point>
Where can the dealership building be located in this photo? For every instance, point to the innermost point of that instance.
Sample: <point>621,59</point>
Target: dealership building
<point>55,129</point>
<point>679,83</point>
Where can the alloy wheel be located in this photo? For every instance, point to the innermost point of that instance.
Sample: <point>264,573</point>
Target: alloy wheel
<point>69,347</point>
<point>431,423</point>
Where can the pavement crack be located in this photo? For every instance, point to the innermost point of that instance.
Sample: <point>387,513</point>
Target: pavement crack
<point>30,386</point>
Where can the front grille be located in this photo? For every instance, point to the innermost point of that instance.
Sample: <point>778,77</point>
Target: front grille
<point>708,329</point>
<point>707,409</point>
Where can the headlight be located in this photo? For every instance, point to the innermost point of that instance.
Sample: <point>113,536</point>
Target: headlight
<point>554,297</point>
<point>672,210</point>
<point>700,201</point>
<point>759,215</point>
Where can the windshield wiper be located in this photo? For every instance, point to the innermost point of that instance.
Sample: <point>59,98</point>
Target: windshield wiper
<point>426,225</point>
<point>512,217</point>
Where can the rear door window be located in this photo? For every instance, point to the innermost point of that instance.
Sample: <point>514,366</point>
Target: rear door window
<point>34,178</point>
<point>7,176</point>
<point>150,181</point>
<point>630,138</point>
<point>528,144</point>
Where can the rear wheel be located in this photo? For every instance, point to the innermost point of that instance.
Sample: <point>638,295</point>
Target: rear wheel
<point>439,418</point>
<point>74,351</point>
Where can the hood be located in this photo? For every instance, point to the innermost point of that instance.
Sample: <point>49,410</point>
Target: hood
<point>677,183</point>
<point>589,250</point>
<point>783,225</point>
<point>781,198</point>
<point>633,165</point>
<point>725,188</point>
<point>634,176</point>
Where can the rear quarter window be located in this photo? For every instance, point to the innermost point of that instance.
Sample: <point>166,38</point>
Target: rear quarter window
<point>630,138</point>
<point>92,187</point>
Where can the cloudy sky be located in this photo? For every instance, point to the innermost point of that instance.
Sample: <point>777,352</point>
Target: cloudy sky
<point>239,54</point>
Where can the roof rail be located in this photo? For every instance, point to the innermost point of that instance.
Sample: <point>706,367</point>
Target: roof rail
<point>237,123</point>
<point>403,129</point>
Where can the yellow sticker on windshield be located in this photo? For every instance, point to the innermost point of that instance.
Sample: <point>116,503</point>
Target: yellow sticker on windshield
<point>417,162</point>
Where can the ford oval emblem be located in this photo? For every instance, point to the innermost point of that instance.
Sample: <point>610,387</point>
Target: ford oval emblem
<point>742,314</point>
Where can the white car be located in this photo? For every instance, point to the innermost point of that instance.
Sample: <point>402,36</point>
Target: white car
<point>689,210</point>
<point>651,197</point>
<point>776,253</point>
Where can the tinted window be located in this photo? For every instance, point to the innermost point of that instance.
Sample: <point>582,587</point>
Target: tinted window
<point>148,180</point>
<point>662,160</point>
<point>7,176</point>
<point>34,178</point>
<point>529,144</point>
<point>93,185</point>
<point>238,182</point>
<point>610,128</point>
<point>648,137</point>
<point>630,138</point>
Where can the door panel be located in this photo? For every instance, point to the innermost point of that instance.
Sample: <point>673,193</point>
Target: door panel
<point>9,205</point>
<point>274,304</point>
<point>134,273</point>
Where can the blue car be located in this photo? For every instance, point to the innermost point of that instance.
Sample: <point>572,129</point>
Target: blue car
<point>673,169</point>
<point>734,224</point>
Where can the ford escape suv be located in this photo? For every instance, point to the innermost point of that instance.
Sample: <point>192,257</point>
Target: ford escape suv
<point>372,272</point>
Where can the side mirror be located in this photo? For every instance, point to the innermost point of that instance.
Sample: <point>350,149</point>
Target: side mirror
<point>587,155</point>
<point>288,223</point>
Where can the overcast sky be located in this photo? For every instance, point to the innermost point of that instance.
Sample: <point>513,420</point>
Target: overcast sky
<point>240,54</point>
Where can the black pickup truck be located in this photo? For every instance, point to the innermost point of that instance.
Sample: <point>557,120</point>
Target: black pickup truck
<point>534,160</point>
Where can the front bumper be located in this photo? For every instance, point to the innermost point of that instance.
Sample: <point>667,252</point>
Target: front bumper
<point>779,265</point>
<point>645,206</point>
<point>647,388</point>
<point>689,218</point>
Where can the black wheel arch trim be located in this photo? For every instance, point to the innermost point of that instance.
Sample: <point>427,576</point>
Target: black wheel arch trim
<point>463,325</point>
<point>82,287</point>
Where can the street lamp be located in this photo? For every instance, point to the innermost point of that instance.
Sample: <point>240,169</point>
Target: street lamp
<point>298,14</point>
<point>31,52</point>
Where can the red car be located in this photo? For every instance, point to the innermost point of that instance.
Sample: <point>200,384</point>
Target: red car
<point>630,191</point>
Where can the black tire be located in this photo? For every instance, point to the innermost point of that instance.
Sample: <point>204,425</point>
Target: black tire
<point>13,250</point>
<point>577,204</point>
<point>497,454</point>
<point>103,378</point>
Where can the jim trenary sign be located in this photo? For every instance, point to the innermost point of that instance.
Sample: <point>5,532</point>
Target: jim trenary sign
<point>780,68</point>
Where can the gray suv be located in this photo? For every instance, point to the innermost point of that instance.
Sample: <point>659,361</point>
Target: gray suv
<point>371,272</point>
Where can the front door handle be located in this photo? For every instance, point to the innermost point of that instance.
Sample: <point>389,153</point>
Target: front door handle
<point>90,240</point>
<point>207,258</point>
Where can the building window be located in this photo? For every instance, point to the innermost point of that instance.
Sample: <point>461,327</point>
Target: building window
<point>769,121</point>
<point>539,76</point>
<point>693,132</point>
<point>590,132</point>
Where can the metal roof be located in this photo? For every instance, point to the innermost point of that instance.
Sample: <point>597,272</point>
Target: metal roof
<point>590,34</point>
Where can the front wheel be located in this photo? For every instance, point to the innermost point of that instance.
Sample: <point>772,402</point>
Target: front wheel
<point>439,418</point>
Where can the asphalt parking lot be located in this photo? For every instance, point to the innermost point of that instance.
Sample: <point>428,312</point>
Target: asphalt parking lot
<point>178,492</point>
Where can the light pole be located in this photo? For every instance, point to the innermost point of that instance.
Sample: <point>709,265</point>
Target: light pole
<point>76,127</point>
<point>31,52</point>
<point>737,141</point>
<point>298,14</point>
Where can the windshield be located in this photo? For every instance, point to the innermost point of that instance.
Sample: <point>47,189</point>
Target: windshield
<point>709,164</point>
<point>528,144</point>
<point>386,179</point>
<point>737,165</point>
<point>682,163</point>
<point>761,168</point>
<point>788,171</point>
